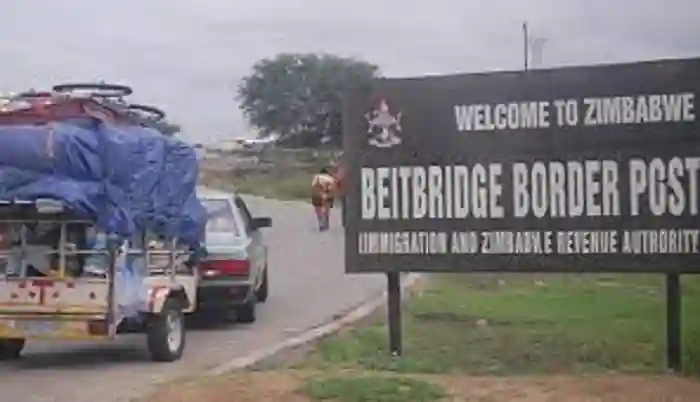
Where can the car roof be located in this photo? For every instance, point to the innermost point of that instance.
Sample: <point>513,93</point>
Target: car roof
<point>207,192</point>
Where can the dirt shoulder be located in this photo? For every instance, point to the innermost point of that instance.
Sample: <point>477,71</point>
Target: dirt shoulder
<point>289,385</point>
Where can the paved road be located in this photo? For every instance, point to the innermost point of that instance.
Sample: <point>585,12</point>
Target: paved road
<point>308,288</point>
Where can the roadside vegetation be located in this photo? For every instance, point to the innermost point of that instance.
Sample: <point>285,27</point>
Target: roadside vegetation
<point>278,173</point>
<point>294,185</point>
<point>499,338</point>
<point>510,325</point>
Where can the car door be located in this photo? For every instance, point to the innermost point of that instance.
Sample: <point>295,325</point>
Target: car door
<point>256,249</point>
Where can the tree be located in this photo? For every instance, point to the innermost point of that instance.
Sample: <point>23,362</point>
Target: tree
<point>299,96</point>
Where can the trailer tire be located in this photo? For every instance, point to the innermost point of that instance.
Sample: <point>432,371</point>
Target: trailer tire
<point>165,332</point>
<point>11,349</point>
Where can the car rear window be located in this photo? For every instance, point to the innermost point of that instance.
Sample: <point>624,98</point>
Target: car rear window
<point>220,216</point>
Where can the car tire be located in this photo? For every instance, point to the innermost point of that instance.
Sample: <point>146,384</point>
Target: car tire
<point>11,349</point>
<point>262,292</point>
<point>245,313</point>
<point>165,332</point>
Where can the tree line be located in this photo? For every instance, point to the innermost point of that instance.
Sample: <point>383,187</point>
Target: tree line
<point>298,97</point>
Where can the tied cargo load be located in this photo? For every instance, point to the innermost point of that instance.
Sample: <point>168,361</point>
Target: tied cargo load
<point>108,161</point>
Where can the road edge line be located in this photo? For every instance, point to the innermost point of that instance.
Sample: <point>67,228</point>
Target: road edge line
<point>309,336</point>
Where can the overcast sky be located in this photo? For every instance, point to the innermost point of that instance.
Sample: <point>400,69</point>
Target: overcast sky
<point>188,55</point>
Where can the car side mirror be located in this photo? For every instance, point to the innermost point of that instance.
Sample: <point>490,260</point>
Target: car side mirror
<point>258,223</point>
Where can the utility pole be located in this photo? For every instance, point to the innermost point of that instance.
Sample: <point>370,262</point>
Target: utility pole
<point>526,47</point>
<point>532,48</point>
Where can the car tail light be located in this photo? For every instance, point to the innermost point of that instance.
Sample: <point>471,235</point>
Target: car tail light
<point>225,267</point>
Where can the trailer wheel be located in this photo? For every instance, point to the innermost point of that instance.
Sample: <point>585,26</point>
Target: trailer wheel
<point>11,348</point>
<point>165,332</point>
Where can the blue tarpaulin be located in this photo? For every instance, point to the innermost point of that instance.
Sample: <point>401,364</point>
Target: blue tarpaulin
<point>124,178</point>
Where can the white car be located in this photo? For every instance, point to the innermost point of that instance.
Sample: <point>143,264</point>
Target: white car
<point>234,273</point>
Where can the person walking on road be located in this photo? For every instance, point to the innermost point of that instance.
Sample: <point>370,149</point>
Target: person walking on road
<point>323,189</point>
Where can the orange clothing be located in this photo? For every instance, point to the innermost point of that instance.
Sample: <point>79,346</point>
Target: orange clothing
<point>323,193</point>
<point>323,186</point>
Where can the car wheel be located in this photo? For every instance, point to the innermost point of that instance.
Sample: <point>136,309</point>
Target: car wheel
<point>261,293</point>
<point>246,313</point>
<point>11,349</point>
<point>165,332</point>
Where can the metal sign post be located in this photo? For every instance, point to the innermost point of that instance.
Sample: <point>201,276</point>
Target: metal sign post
<point>393,280</point>
<point>673,323</point>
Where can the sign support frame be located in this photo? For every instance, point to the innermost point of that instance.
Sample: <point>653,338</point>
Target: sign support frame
<point>393,291</point>
<point>674,361</point>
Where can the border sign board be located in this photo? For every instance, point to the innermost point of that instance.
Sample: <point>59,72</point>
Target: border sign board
<point>565,170</point>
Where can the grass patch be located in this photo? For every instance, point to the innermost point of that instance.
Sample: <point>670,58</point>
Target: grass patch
<point>465,333</point>
<point>372,389</point>
<point>290,185</point>
<point>488,325</point>
<point>282,174</point>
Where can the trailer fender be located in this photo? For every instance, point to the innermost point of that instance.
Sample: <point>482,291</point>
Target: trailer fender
<point>159,294</point>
